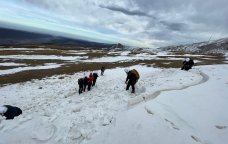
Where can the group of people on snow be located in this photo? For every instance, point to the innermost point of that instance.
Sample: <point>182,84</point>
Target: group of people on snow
<point>87,82</point>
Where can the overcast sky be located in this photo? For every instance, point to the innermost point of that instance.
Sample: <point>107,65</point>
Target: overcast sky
<point>153,23</point>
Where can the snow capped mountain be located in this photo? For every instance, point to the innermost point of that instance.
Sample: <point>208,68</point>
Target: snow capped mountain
<point>214,47</point>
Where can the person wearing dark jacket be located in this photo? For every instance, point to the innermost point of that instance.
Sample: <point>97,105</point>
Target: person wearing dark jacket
<point>10,111</point>
<point>90,82</point>
<point>80,83</point>
<point>85,83</point>
<point>95,75</point>
<point>187,64</point>
<point>102,70</point>
<point>130,80</point>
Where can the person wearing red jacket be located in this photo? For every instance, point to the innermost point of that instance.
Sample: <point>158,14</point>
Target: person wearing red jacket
<point>90,82</point>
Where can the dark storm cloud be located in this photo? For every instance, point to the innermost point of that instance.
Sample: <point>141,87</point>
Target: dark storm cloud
<point>174,26</point>
<point>126,11</point>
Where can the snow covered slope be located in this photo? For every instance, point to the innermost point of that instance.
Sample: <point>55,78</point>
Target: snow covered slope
<point>54,112</point>
<point>197,114</point>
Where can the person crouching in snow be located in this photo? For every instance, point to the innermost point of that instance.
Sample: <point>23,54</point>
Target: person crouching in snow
<point>187,64</point>
<point>90,82</point>
<point>131,80</point>
<point>80,83</point>
<point>10,111</point>
<point>95,75</point>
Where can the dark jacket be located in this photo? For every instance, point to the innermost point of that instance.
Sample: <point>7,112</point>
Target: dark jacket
<point>189,63</point>
<point>86,80</point>
<point>102,68</point>
<point>80,81</point>
<point>12,112</point>
<point>95,75</point>
<point>131,77</point>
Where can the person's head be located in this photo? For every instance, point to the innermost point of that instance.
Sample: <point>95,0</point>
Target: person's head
<point>3,109</point>
<point>91,74</point>
<point>187,59</point>
<point>126,70</point>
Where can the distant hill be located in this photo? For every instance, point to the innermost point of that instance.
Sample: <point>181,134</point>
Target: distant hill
<point>12,37</point>
<point>213,47</point>
<point>117,46</point>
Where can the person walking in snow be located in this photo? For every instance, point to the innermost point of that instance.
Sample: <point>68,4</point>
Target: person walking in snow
<point>80,83</point>
<point>90,82</point>
<point>10,111</point>
<point>187,64</point>
<point>132,78</point>
<point>95,75</point>
<point>85,83</point>
<point>102,70</point>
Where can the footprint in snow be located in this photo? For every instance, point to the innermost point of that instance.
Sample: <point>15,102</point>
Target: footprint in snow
<point>148,111</point>
<point>141,90</point>
<point>172,124</point>
<point>196,138</point>
<point>74,133</point>
<point>221,127</point>
<point>44,132</point>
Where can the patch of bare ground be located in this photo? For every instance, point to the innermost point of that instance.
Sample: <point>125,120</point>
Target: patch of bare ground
<point>7,67</point>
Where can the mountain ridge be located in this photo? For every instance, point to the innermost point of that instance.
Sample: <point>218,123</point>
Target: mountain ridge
<point>13,37</point>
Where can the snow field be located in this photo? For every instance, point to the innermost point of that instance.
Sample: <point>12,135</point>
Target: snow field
<point>197,114</point>
<point>54,112</point>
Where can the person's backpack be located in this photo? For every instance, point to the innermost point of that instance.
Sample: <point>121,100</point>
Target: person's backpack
<point>135,72</point>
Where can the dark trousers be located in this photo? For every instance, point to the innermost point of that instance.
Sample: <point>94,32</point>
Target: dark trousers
<point>84,87</point>
<point>102,73</point>
<point>186,67</point>
<point>94,82</point>
<point>132,84</point>
<point>80,89</point>
<point>89,86</point>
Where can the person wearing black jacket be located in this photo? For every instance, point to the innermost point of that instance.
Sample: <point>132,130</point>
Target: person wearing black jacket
<point>187,64</point>
<point>95,75</point>
<point>10,111</point>
<point>130,80</point>
<point>81,84</point>
<point>85,83</point>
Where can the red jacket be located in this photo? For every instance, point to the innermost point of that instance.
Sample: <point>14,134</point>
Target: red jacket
<point>91,78</point>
